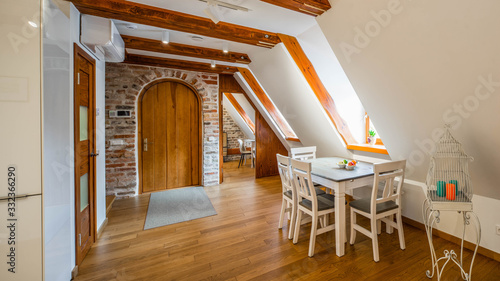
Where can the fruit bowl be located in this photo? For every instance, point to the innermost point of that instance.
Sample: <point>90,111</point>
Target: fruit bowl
<point>351,165</point>
<point>342,164</point>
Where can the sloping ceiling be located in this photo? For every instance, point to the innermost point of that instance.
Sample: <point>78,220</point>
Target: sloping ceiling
<point>290,92</point>
<point>417,65</point>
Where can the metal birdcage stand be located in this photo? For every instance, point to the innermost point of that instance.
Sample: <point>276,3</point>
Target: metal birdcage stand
<point>449,189</point>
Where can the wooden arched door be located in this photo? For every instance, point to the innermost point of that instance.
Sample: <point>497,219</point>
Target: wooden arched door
<point>169,136</point>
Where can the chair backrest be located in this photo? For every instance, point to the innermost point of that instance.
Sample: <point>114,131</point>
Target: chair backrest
<point>285,173</point>
<point>303,153</point>
<point>242,146</point>
<point>388,172</point>
<point>301,175</point>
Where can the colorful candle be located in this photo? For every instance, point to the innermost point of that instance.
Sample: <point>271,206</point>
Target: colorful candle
<point>441,188</point>
<point>450,191</point>
<point>455,182</point>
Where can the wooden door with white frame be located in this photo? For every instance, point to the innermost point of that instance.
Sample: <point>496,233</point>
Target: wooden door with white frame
<point>84,132</point>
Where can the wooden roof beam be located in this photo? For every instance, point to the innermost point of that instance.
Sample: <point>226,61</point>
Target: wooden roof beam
<point>275,114</point>
<point>241,111</point>
<point>183,50</point>
<point>162,18</point>
<point>310,74</point>
<point>308,7</point>
<point>179,64</point>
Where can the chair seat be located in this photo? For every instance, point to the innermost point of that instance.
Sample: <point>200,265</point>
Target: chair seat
<point>327,196</point>
<point>318,192</point>
<point>365,204</point>
<point>246,152</point>
<point>324,202</point>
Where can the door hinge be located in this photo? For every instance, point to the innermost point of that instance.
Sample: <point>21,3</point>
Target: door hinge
<point>80,239</point>
<point>78,78</point>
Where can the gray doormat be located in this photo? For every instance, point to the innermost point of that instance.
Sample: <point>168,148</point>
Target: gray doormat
<point>178,205</point>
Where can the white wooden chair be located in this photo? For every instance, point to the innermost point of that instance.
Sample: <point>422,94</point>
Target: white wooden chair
<point>244,152</point>
<point>318,207</point>
<point>381,208</point>
<point>303,153</point>
<point>306,153</point>
<point>289,202</point>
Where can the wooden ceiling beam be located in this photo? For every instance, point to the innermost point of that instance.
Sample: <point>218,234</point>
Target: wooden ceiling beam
<point>241,111</point>
<point>274,113</point>
<point>178,64</point>
<point>310,74</point>
<point>172,20</point>
<point>183,50</point>
<point>308,7</point>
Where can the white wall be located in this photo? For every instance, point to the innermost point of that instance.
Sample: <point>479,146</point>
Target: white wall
<point>59,216</point>
<point>286,86</point>
<point>57,134</point>
<point>416,65</point>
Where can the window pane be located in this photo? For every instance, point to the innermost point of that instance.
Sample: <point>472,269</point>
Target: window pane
<point>84,191</point>
<point>84,125</point>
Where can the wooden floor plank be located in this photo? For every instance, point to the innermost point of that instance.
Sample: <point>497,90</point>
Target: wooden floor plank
<point>243,242</point>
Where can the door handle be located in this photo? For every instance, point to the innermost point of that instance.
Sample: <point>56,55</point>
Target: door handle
<point>22,196</point>
<point>146,144</point>
<point>94,154</point>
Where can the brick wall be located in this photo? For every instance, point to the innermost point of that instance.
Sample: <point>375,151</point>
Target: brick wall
<point>234,133</point>
<point>123,86</point>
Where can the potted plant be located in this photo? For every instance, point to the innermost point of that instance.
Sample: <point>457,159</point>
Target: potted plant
<point>371,137</point>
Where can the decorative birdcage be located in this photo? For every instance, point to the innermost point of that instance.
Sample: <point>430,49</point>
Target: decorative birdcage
<point>448,181</point>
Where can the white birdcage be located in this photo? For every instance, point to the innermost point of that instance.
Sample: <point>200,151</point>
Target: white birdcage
<point>448,181</point>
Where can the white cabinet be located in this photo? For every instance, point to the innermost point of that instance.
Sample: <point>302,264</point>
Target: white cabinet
<point>20,141</point>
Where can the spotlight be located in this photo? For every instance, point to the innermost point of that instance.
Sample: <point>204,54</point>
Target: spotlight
<point>165,38</point>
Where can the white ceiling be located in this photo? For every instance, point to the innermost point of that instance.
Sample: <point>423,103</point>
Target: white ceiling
<point>261,16</point>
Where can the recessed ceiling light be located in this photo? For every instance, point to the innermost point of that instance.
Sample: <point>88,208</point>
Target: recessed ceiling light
<point>33,24</point>
<point>165,38</point>
<point>197,38</point>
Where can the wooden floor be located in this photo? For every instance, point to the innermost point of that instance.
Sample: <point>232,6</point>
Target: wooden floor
<point>242,242</point>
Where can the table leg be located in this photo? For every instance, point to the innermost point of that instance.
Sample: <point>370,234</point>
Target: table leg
<point>340,224</point>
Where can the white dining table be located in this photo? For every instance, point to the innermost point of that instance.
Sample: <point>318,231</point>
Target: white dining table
<point>326,172</point>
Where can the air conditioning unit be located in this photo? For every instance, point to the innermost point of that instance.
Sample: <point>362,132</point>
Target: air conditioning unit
<point>101,34</point>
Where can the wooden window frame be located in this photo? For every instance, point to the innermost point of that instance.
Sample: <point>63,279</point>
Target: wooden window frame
<point>378,141</point>
<point>305,66</point>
